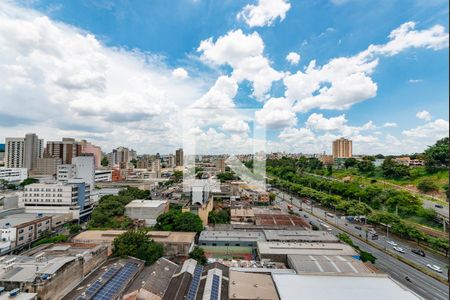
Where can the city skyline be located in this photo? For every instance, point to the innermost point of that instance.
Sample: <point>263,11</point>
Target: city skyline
<point>308,81</point>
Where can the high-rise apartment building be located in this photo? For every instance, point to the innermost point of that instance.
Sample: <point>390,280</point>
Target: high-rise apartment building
<point>23,152</point>
<point>179,157</point>
<point>342,148</point>
<point>66,149</point>
<point>119,157</point>
<point>89,148</point>
<point>220,165</point>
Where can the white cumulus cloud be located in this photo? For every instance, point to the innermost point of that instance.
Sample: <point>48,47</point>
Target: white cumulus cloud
<point>264,13</point>
<point>293,58</point>
<point>180,73</point>
<point>424,115</point>
<point>244,53</point>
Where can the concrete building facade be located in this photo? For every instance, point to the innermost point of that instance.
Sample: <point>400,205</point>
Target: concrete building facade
<point>342,148</point>
<point>13,174</point>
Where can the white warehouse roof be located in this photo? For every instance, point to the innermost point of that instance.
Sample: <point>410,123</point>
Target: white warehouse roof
<point>340,287</point>
<point>146,203</point>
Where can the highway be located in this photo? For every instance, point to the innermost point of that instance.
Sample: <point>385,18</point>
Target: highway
<point>420,283</point>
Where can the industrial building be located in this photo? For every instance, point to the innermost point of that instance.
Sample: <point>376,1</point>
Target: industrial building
<point>278,251</point>
<point>326,264</point>
<point>248,286</point>
<point>230,238</point>
<point>108,282</point>
<point>340,287</point>
<point>175,243</point>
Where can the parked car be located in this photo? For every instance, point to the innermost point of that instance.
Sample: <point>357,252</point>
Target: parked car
<point>438,206</point>
<point>418,252</point>
<point>392,243</point>
<point>435,268</point>
<point>358,227</point>
<point>399,249</point>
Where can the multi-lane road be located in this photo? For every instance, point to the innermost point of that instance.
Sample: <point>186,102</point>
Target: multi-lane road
<point>422,284</point>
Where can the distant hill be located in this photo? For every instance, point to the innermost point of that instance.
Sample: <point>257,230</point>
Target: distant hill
<point>2,147</point>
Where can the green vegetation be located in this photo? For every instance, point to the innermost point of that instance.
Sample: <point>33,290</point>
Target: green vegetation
<point>427,185</point>
<point>50,239</point>
<point>110,210</point>
<point>29,181</point>
<point>199,255</point>
<point>73,228</point>
<point>391,169</point>
<point>226,176</point>
<point>175,220</point>
<point>436,156</point>
<point>136,243</point>
<point>134,162</point>
<point>104,161</point>
<point>219,217</point>
<point>353,198</point>
<point>365,256</point>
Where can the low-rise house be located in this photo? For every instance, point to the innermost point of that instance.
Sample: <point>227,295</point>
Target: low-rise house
<point>147,210</point>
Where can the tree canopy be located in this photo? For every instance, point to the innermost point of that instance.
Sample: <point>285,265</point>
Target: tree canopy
<point>199,255</point>
<point>437,156</point>
<point>175,220</point>
<point>136,243</point>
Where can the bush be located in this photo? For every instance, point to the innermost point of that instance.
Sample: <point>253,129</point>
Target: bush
<point>427,185</point>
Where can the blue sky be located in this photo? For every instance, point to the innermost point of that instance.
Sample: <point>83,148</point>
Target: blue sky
<point>167,36</point>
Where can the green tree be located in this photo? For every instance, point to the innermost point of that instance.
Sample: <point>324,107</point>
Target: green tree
<point>436,156</point>
<point>29,181</point>
<point>134,162</point>
<point>365,166</point>
<point>219,217</point>
<point>199,255</point>
<point>350,162</point>
<point>175,220</point>
<point>73,228</point>
<point>104,161</point>
<point>391,169</point>
<point>136,243</point>
<point>427,185</point>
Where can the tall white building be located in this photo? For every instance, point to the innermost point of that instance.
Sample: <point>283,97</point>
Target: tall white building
<point>61,198</point>
<point>13,174</point>
<point>156,168</point>
<point>85,169</point>
<point>23,152</point>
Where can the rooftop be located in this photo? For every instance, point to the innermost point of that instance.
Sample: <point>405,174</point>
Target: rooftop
<point>299,235</point>
<point>231,235</point>
<point>155,278</point>
<point>340,287</point>
<point>26,268</point>
<point>146,203</point>
<point>305,248</point>
<point>17,219</point>
<point>251,286</point>
<point>327,264</point>
<point>158,236</point>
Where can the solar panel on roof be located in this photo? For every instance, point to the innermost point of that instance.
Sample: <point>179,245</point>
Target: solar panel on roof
<point>113,287</point>
<point>194,283</point>
<point>215,287</point>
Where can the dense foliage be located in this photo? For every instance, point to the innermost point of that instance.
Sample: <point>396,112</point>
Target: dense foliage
<point>104,161</point>
<point>136,243</point>
<point>219,217</point>
<point>199,255</point>
<point>391,169</point>
<point>109,213</point>
<point>175,220</point>
<point>437,156</point>
<point>427,185</point>
<point>226,176</point>
<point>29,181</point>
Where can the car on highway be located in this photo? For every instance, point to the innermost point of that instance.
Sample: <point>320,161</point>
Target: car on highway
<point>435,268</point>
<point>358,227</point>
<point>330,215</point>
<point>372,231</point>
<point>399,249</point>
<point>438,206</point>
<point>418,252</point>
<point>306,216</point>
<point>392,243</point>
